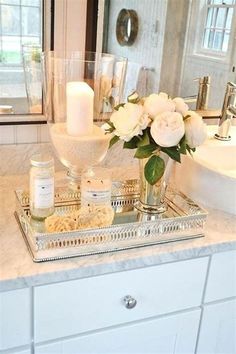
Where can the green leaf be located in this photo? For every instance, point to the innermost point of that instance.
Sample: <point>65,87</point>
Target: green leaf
<point>186,117</point>
<point>182,146</point>
<point>145,151</point>
<point>110,123</point>
<point>133,97</point>
<point>172,152</point>
<point>154,169</point>
<point>144,139</point>
<point>190,150</point>
<point>118,106</point>
<point>132,144</point>
<point>113,141</point>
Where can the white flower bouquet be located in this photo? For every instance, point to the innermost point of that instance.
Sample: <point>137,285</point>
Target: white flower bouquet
<point>156,124</point>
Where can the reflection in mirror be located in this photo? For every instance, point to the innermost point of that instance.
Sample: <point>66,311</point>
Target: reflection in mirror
<point>182,40</point>
<point>126,27</point>
<point>21,45</point>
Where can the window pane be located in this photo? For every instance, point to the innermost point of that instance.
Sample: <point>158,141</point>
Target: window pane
<point>211,38</point>
<point>229,19</point>
<point>30,2</point>
<point>11,50</point>
<point>229,2</point>
<point>20,25</point>
<point>217,40</point>
<point>209,17</point>
<point>10,20</point>
<point>206,38</point>
<point>217,2</point>
<point>30,21</point>
<point>220,21</point>
<point>10,2</point>
<point>30,40</point>
<point>214,17</point>
<point>225,42</point>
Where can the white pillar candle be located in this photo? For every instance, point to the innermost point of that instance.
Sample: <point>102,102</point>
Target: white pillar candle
<point>79,102</point>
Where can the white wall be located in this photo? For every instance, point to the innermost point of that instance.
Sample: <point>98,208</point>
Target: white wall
<point>147,49</point>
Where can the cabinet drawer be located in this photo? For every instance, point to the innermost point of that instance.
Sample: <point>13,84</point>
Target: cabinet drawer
<point>175,334</point>
<point>14,318</point>
<point>87,304</point>
<point>222,277</point>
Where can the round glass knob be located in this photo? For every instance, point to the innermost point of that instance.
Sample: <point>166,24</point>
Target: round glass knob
<point>129,302</point>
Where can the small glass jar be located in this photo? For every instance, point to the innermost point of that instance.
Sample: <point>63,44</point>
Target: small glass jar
<point>96,187</point>
<point>41,186</point>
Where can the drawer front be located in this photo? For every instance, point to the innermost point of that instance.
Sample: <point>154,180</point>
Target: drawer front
<point>87,304</point>
<point>172,334</point>
<point>14,318</point>
<point>222,277</point>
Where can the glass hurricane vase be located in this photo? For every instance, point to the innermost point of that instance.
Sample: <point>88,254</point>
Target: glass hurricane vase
<point>80,92</point>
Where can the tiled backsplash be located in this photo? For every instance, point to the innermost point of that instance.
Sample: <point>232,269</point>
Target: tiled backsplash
<point>24,134</point>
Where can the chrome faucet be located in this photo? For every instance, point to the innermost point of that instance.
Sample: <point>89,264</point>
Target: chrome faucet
<point>202,97</point>
<point>228,112</point>
<point>203,93</point>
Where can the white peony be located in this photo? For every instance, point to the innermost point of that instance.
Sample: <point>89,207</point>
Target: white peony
<point>195,129</point>
<point>157,104</point>
<point>167,129</point>
<point>129,121</point>
<point>180,106</point>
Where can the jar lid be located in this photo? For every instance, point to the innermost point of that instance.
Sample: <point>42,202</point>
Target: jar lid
<point>42,160</point>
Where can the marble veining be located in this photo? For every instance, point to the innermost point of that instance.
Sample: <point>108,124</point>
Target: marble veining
<point>17,270</point>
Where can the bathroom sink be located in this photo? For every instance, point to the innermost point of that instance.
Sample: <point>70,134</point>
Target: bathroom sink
<point>209,177</point>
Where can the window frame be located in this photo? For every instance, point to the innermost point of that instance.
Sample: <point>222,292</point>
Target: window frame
<point>200,11</point>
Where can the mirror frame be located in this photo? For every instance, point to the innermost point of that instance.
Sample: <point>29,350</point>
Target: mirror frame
<point>125,19</point>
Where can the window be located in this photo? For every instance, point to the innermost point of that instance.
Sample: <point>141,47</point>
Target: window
<point>218,25</point>
<point>20,30</point>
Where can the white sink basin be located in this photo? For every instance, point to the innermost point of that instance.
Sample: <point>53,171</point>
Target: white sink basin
<point>209,177</point>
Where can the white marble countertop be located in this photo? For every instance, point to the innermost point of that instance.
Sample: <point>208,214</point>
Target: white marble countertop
<point>17,270</point>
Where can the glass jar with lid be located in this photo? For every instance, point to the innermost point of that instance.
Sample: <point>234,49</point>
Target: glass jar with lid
<point>41,186</point>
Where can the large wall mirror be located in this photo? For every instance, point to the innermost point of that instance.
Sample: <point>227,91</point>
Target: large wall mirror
<point>179,41</point>
<point>22,38</point>
<point>27,27</point>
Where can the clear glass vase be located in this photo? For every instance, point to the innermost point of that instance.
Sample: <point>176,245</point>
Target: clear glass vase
<point>152,197</point>
<point>80,91</point>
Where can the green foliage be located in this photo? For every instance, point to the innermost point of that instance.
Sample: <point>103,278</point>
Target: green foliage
<point>145,138</point>
<point>172,152</point>
<point>116,108</point>
<point>182,146</point>
<point>133,97</point>
<point>145,151</point>
<point>113,140</point>
<point>132,144</point>
<point>154,169</point>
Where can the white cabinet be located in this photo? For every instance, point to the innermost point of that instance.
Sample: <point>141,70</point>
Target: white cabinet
<point>218,329</point>
<point>75,307</point>
<point>14,318</point>
<point>173,334</point>
<point>21,351</point>
<point>222,277</point>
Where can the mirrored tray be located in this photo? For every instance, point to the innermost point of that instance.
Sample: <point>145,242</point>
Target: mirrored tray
<point>184,219</point>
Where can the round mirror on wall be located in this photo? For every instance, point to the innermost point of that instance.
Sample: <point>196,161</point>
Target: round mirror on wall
<point>126,27</point>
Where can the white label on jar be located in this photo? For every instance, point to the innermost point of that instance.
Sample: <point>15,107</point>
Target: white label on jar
<point>43,192</point>
<point>97,197</point>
